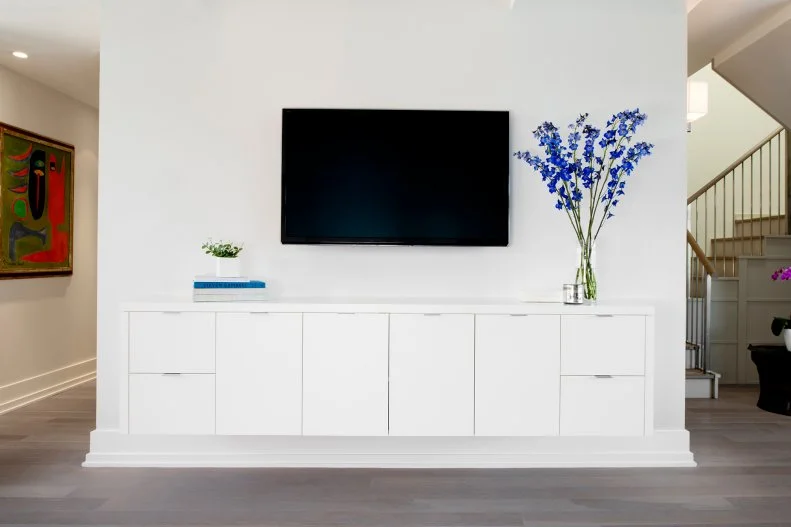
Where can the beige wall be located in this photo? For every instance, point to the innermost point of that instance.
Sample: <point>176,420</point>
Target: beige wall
<point>48,325</point>
<point>733,126</point>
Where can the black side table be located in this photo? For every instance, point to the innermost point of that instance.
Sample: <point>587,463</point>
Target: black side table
<point>774,375</point>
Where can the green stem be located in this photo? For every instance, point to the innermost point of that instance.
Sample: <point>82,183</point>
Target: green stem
<point>601,192</point>
<point>609,203</point>
<point>585,272</point>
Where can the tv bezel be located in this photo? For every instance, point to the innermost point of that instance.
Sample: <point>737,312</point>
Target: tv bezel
<point>285,239</point>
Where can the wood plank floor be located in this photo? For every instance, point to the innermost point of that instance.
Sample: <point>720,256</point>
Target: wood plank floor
<point>744,479</point>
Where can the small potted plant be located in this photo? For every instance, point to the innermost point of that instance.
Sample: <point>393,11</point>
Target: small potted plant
<point>780,324</point>
<point>226,257</point>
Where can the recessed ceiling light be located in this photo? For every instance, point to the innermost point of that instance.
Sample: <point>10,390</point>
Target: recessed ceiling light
<point>19,54</point>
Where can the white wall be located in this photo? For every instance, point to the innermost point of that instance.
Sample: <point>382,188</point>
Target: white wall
<point>190,132</point>
<point>47,324</point>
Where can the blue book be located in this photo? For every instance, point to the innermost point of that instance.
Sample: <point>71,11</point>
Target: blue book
<point>251,284</point>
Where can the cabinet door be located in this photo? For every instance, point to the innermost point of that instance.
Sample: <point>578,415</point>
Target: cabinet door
<point>345,374</point>
<point>171,342</point>
<point>602,345</point>
<point>171,404</point>
<point>259,373</point>
<point>432,379</point>
<point>517,375</point>
<point>602,406</point>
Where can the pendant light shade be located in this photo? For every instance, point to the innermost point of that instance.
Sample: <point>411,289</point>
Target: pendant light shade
<point>697,100</point>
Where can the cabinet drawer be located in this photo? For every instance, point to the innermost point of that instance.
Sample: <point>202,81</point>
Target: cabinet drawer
<point>171,404</point>
<point>171,342</point>
<point>602,345</point>
<point>602,406</point>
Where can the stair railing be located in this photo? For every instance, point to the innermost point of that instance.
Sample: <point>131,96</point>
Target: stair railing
<point>730,214</point>
<point>698,306</point>
<point>728,218</point>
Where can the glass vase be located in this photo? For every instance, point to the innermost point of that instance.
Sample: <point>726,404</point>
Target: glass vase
<point>586,270</point>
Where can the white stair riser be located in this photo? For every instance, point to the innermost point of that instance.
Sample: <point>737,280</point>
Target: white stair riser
<point>702,388</point>
<point>777,246</point>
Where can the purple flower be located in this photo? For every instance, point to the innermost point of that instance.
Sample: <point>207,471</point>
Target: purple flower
<point>784,273</point>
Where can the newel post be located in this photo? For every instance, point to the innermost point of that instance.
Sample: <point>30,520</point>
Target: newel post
<point>787,165</point>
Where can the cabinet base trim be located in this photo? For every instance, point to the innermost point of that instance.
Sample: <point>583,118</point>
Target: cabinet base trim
<point>666,448</point>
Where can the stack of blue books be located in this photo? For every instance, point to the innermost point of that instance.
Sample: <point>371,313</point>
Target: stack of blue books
<point>226,289</point>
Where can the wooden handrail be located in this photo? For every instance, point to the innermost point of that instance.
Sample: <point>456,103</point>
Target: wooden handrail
<point>733,165</point>
<point>701,254</point>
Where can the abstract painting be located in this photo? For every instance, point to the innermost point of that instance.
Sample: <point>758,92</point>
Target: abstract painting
<point>36,204</point>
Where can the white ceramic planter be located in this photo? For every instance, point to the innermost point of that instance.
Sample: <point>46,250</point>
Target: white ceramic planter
<point>787,338</point>
<point>228,267</point>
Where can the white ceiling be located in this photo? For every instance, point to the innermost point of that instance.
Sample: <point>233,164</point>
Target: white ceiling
<point>763,70</point>
<point>62,39</point>
<point>714,24</point>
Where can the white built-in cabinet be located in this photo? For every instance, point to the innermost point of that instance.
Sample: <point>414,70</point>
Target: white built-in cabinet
<point>517,375</point>
<point>602,405</point>
<point>259,373</point>
<point>171,404</point>
<point>345,374</point>
<point>367,370</point>
<point>171,342</point>
<point>432,375</point>
<point>602,345</point>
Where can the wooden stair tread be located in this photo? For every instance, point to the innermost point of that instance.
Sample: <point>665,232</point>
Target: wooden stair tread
<point>760,218</point>
<point>745,238</point>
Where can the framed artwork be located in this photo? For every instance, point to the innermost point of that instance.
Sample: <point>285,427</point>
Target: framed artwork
<point>36,205</point>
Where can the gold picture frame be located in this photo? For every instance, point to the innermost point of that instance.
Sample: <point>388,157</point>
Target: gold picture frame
<point>36,205</point>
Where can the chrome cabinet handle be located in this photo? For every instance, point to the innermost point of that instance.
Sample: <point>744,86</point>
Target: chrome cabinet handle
<point>603,376</point>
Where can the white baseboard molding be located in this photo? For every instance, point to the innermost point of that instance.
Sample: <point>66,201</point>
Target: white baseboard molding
<point>32,389</point>
<point>666,448</point>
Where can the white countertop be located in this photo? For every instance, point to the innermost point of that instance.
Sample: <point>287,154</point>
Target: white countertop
<point>388,305</point>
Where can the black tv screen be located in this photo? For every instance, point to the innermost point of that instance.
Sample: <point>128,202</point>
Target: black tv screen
<point>395,177</point>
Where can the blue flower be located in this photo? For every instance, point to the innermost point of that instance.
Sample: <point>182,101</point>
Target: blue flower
<point>608,154</point>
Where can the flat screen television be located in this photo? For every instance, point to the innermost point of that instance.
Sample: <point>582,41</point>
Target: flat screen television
<point>395,177</point>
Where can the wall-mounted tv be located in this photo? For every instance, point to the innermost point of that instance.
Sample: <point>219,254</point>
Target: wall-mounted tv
<point>395,177</point>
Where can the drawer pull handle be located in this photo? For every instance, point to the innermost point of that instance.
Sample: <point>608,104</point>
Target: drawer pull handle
<point>171,374</point>
<point>605,316</point>
<point>518,314</point>
<point>259,312</point>
<point>432,314</point>
<point>170,312</point>
<point>603,376</point>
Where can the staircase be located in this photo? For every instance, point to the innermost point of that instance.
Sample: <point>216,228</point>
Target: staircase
<point>739,223</point>
<point>737,235</point>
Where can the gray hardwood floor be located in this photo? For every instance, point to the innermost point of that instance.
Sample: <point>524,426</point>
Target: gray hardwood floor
<point>744,479</point>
